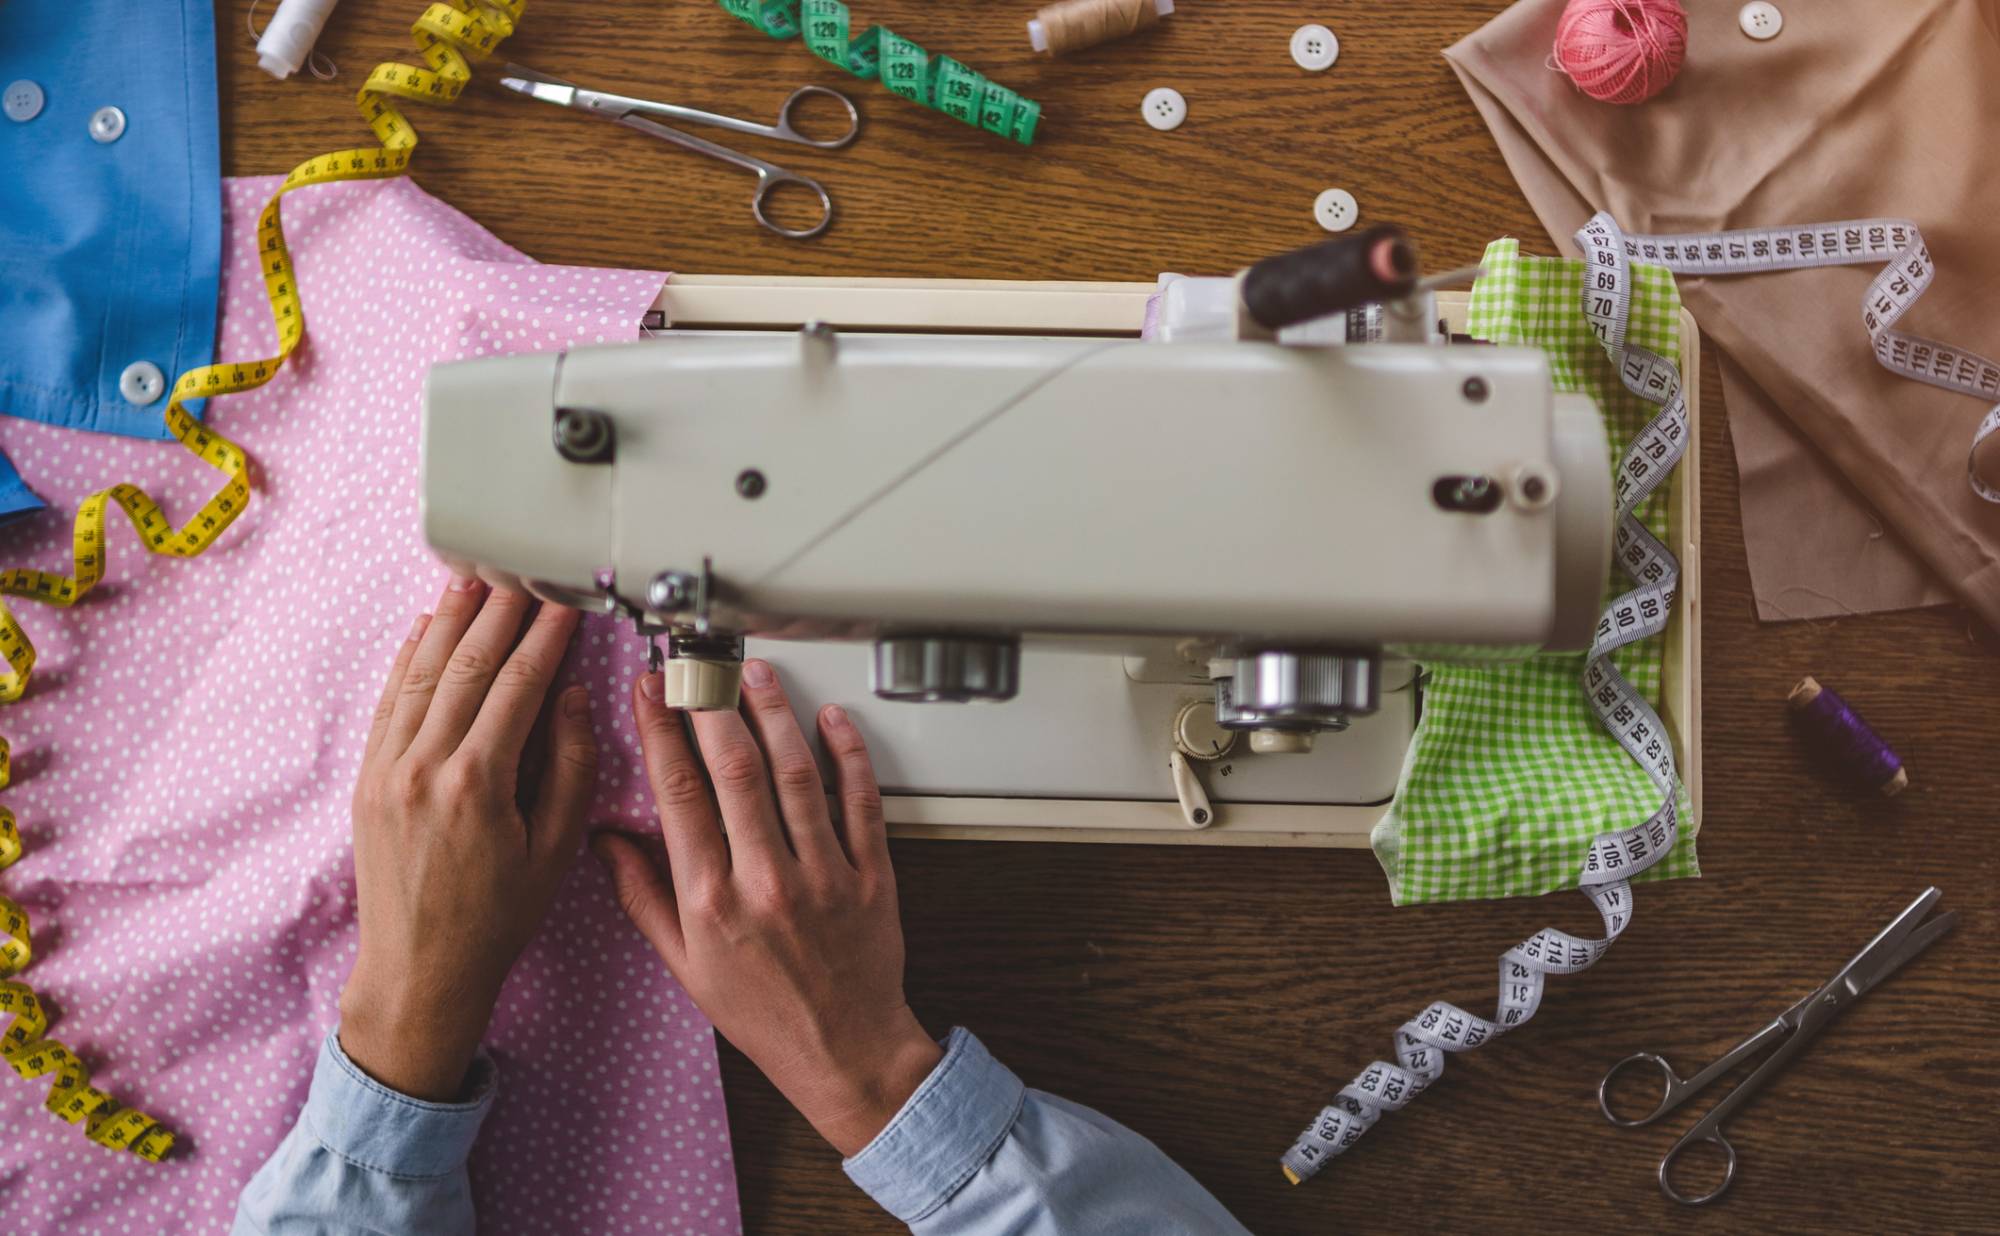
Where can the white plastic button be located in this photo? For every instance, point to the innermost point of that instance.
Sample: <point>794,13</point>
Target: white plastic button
<point>1164,108</point>
<point>1336,210</point>
<point>1760,20</point>
<point>1315,48</point>
<point>22,100</point>
<point>142,383</point>
<point>107,124</point>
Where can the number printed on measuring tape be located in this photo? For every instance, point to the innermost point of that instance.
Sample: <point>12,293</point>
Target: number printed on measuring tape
<point>1906,273</point>
<point>1614,857</point>
<point>448,36</point>
<point>936,82</point>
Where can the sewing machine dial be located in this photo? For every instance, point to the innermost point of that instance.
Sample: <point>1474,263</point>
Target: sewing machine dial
<point>1196,733</point>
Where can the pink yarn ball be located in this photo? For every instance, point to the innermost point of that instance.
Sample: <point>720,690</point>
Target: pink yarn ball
<point>1621,51</point>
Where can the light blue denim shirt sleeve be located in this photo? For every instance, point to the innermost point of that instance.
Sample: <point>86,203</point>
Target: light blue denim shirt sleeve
<point>367,1159</point>
<point>976,1153</point>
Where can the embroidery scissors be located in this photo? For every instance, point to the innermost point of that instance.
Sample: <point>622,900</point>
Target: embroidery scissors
<point>1907,935</point>
<point>639,114</point>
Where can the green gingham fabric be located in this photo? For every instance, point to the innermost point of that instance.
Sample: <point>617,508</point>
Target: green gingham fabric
<point>1509,774</point>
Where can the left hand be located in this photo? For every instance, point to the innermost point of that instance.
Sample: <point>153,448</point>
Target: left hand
<point>464,825</point>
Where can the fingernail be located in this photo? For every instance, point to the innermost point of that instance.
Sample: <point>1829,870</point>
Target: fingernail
<point>834,715</point>
<point>758,674</point>
<point>576,703</point>
<point>464,583</point>
<point>650,687</point>
<point>417,628</point>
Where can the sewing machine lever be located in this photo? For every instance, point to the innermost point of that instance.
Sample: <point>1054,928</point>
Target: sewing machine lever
<point>1195,808</point>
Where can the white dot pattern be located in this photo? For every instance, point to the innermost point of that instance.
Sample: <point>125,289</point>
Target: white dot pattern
<point>186,752</point>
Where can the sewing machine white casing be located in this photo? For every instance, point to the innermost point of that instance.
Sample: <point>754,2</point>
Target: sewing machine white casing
<point>1101,528</point>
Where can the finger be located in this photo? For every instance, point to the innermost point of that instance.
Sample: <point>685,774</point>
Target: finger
<point>794,774</point>
<point>646,896</point>
<point>507,714</point>
<point>387,707</point>
<point>567,780</point>
<point>469,672</point>
<point>742,791</point>
<point>697,854</point>
<point>862,829</point>
<point>455,611</point>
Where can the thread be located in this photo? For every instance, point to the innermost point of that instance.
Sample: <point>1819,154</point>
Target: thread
<point>288,41</point>
<point>1070,25</point>
<point>1621,51</point>
<point>1844,742</point>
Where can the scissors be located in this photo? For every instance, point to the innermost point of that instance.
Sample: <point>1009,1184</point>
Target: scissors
<point>1908,934</point>
<point>637,113</point>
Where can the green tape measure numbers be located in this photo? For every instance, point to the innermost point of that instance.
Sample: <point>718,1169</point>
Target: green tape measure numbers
<point>936,82</point>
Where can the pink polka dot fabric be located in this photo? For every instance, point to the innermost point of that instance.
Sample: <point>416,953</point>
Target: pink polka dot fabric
<point>187,750</point>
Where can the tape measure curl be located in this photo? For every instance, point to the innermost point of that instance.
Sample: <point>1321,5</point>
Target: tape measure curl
<point>448,36</point>
<point>937,82</point>
<point>1614,857</point>
<point>25,1045</point>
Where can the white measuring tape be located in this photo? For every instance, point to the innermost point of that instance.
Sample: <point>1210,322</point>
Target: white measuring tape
<point>1614,857</point>
<point>1443,1027</point>
<point>1902,281</point>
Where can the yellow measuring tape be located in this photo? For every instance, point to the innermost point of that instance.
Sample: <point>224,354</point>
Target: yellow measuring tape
<point>448,36</point>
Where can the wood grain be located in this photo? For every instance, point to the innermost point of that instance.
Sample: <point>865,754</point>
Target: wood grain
<point>1214,1000</point>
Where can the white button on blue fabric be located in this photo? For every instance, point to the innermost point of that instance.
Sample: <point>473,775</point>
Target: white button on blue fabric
<point>1336,210</point>
<point>21,101</point>
<point>107,124</point>
<point>142,383</point>
<point>1760,20</point>
<point>1314,47</point>
<point>1164,108</point>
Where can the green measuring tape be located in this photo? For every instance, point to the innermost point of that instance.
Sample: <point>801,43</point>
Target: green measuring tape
<point>937,82</point>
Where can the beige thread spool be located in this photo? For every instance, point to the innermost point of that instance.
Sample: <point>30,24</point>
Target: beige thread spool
<point>1073,24</point>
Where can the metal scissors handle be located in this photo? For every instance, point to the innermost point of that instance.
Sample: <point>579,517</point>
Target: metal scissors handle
<point>1675,1091</point>
<point>783,130</point>
<point>769,175</point>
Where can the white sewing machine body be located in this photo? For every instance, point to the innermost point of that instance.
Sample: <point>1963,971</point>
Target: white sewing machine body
<point>1131,515</point>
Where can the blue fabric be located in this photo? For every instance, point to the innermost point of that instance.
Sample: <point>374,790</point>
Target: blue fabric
<point>972,1153</point>
<point>15,497</point>
<point>110,252</point>
<point>366,1159</point>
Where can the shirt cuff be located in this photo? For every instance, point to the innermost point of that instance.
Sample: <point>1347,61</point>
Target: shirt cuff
<point>944,1134</point>
<point>384,1130</point>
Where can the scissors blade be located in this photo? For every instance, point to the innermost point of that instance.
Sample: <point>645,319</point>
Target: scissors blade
<point>1907,935</point>
<point>562,94</point>
<point>1922,938</point>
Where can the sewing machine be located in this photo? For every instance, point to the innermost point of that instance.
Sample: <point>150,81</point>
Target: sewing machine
<point>1071,583</point>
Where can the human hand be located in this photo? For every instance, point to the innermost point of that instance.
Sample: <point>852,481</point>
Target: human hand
<point>779,923</point>
<point>467,814</point>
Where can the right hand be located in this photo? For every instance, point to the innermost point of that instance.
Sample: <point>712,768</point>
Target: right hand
<point>780,924</point>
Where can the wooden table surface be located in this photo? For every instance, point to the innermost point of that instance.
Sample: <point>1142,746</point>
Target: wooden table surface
<point>1213,1000</point>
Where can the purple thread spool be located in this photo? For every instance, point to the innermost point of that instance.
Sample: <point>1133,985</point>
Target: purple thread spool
<point>1843,740</point>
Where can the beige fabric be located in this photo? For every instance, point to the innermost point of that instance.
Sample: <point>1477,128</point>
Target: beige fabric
<point>1853,479</point>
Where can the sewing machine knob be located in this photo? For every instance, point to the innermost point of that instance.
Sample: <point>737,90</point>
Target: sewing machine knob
<point>1198,735</point>
<point>953,669</point>
<point>699,684</point>
<point>1303,690</point>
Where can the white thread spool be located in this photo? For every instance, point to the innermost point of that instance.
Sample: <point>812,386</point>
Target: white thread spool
<point>289,39</point>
